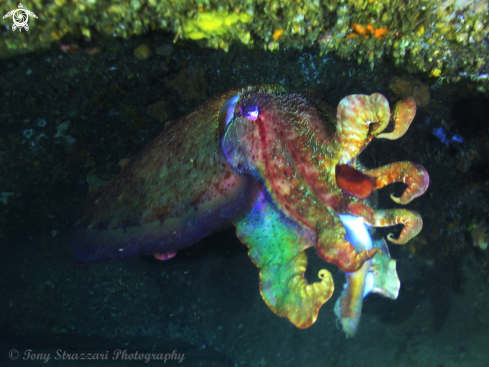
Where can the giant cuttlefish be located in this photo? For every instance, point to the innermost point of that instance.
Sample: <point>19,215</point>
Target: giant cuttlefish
<point>282,167</point>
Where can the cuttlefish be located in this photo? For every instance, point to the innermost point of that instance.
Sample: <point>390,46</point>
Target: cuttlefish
<point>282,167</point>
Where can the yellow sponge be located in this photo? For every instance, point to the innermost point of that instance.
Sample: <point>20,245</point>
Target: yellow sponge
<point>212,24</point>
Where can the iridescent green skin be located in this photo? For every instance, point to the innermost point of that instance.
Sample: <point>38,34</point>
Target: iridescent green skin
<point>274,178</point>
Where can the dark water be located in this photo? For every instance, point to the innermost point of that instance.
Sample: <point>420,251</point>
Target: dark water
<point>205,303</point>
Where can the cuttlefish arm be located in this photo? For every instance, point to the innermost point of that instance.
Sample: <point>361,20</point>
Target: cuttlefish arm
<point>176,191</point>
<point>377,275</point>
<point>276,246</point>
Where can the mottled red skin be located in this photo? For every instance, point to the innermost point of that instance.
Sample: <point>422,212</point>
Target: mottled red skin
<point>294,147</point>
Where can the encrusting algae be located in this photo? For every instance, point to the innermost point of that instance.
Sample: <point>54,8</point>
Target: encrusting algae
<point>440,38</point>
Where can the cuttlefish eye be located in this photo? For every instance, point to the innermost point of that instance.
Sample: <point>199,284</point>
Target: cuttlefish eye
<point>251,112</point>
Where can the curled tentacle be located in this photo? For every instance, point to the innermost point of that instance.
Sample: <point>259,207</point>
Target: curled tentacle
<point>412,223</point>
<point>403,116</point>
<point>361,210</point>
<point>335,249</point>
<point>414,175</point>
<point>381,113</point>
<point>355,114</point>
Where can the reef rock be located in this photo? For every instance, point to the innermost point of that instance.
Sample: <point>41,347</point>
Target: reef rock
<point>405,87</point>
